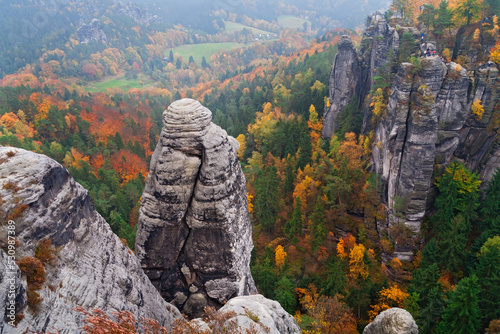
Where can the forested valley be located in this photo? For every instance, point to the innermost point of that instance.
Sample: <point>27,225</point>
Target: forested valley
<point>314,203</point>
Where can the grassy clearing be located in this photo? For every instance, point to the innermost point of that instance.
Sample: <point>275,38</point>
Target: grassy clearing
<point>292,22</point>
<point>204,49</point>
<point>120,82</point>
<point>233,27</point>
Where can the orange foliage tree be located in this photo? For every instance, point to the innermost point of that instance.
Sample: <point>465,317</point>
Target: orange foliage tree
<point>128,165</point>
<point>329,314</point>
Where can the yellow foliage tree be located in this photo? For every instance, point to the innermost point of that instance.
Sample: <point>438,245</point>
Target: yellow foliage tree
<point>280,256</point>
<point>389,297</point>
<point>341,249</point>
<point>378,104</point>
<point>477,110</point>
<point>250,205</point>
<point>357,266</point>
<point>243,142</point>
<point>495,52</point>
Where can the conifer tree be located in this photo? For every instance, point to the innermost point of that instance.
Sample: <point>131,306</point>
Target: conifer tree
<point>318,229</point>
<point>293,228</point>
<point>488,272</point>
<point>266,203</point>
<point>461,314</point>
<point>285,294</point>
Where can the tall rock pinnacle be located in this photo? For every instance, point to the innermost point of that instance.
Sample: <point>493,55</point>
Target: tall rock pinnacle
<point>194,237</point>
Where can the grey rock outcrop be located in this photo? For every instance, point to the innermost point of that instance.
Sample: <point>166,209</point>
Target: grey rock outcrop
<point>91,32</point>
<point>92,268</point>
<point>194,234</point>
<point>260,313</point>
<point>353,72</point>
<point>139,14</point>
<point>12,292</point>
<point>404,155</point>
<point>428,123</point>
<point>344,83</point>
<point>392,321</point>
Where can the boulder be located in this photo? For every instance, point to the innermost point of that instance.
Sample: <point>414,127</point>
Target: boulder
<point>392,321</point>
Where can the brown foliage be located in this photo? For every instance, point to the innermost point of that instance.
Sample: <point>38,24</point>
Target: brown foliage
<point>97,321</point>
<point>34,271</point>
<point>330,315</point>
<point>494,327</point>
<point>17,212</point>
<point>44,251</point>
<point>35,276</point>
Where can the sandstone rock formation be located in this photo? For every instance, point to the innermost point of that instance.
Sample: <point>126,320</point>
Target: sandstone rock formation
<point>91,32</point>
<point>392,321</point>
<point>262,314</point>
<point>344,83</point>
<point>353,72</point>
<point>427,123</point>
<point>139,14</point>
<point>194,234</point>
<point>10,283</point>
<point>92,268</point>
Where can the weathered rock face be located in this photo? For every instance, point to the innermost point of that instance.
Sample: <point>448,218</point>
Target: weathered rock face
<point>352,72</point>
<point>91,32</point>
<point>392,321</point>
<point>12,292</point>
<point>92,268</point>
<point>428,121</point>
<point>270,314</point>
<point>405,156</point>
<point>139,14</point>
<point>194,234</point>
<point>344,83</point>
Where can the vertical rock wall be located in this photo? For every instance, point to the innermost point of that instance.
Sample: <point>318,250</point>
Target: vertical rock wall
<point>428,121</point>
<point>194,235</point>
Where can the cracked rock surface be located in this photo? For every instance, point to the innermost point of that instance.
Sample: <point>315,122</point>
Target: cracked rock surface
<point>194,236</point>
<point>91,268</point>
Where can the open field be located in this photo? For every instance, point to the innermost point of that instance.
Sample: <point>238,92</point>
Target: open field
<point>120,82</point>
<point>233,27</point>
<point>204,49</point>
<point>292,22</point>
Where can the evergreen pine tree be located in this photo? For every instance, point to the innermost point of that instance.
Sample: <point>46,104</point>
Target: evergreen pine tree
<point>266,204</point>
<point>318,229</point>
<point>293,228</point>
<point>285,294</point>
<point>488,272</point>
<point>335,281</point>
<point>461,314</point>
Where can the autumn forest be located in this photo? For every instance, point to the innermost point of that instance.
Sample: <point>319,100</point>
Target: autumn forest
<point>314,203</point>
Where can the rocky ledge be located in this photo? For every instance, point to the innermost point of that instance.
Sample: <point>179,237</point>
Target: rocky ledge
<point>91,267</point>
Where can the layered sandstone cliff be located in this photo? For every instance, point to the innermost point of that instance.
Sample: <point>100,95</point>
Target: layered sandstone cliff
<point>194,236</point>
<point>91,268</point>
<point>428,121</point>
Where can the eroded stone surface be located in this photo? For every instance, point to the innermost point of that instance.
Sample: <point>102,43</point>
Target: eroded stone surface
<point>92,268</point>
<point>194,234</point>
<point>344,82</point>
<point>392,321</point>
<point>259,312</point>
